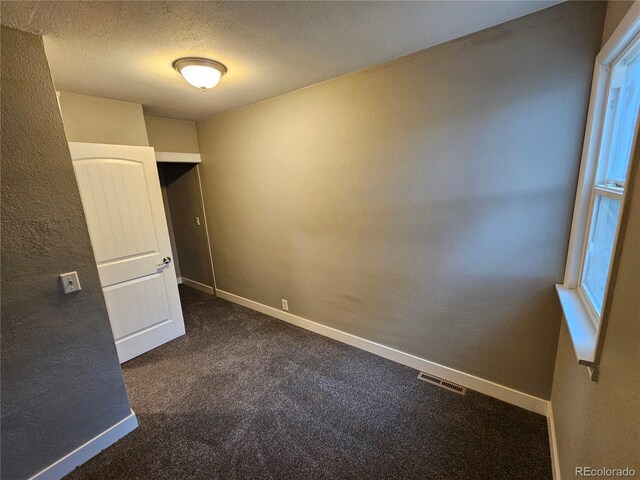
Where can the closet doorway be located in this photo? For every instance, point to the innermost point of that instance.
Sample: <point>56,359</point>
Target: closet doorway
<point>184,209</point>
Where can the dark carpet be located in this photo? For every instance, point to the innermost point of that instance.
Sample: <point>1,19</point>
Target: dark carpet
<point>245,396</point>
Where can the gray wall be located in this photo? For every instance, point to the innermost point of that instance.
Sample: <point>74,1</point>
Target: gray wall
<point>61,380</point>
<point>180,182</point>
<point>598,424</point>
<point>424,203</point>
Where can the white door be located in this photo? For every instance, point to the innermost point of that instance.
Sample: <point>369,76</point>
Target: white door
<point>122,202</point>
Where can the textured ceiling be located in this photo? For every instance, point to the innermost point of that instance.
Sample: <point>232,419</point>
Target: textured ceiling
<point>124,50</point>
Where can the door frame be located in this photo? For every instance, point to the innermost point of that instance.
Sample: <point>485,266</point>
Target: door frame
<point>196,160</point>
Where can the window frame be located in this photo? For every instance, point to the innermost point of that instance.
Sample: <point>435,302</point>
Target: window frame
<point>596,191</point>
<point>585,325</point>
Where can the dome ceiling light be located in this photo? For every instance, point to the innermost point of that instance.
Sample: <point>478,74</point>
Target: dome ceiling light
<point>202,73</point>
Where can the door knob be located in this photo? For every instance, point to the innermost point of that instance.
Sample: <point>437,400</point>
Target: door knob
<point>165,261</point>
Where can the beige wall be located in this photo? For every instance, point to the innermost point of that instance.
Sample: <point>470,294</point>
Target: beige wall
<point>616,10</point>
<point>102,120</point>
<point>61,379</point>
<point>171,135</point>
<point>598,424</point>
<point>423,204</point>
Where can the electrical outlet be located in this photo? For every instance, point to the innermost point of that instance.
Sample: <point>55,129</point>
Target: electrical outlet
<point>198,221</point>
<point>70,282</point>
<point>285,305</point>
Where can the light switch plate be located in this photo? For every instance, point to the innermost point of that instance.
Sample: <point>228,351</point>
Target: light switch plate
<point>70,282</point>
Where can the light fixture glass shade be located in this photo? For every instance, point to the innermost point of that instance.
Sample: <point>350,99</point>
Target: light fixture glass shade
<point>202,73</point>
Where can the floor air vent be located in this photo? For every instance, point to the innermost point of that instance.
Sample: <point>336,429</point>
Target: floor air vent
<point>442,383</point>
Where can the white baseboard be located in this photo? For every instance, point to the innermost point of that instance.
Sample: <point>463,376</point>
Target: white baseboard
<point>553,443</point>
<point>83,453</point>
<point>506,394</point>
<point>197,285</point>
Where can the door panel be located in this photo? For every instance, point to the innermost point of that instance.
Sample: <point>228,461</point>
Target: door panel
<point>138,304</point>
<point>120,193</point>
<point>119,217</point>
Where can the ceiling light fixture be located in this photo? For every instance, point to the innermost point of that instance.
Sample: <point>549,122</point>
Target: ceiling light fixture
<point>202,73</point>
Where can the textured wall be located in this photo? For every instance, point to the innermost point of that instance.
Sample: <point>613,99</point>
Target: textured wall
<point>102,120</point>
<point>171,135</point>
<point>598,424</point>
<point>61,380</point>
<point>180,181</point>
<point>424,203</point>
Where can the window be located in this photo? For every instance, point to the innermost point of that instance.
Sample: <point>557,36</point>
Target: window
<point>611,128</point>
<point>621,116</point>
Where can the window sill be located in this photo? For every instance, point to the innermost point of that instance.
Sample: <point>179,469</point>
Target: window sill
<point>581,329</point>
